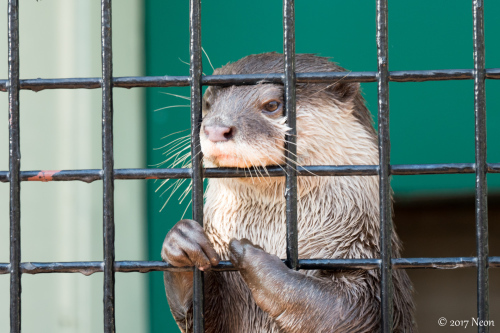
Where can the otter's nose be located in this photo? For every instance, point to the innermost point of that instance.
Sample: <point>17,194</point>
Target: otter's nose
<point>219,133</point>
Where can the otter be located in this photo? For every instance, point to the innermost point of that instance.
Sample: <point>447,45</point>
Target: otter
<point>244,218</point>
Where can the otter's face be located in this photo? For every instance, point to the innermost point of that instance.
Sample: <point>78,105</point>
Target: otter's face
<point>243,126</point>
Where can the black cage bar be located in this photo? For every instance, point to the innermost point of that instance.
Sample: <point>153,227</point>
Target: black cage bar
<point>384,149</point>
<point>107,168</point>
<point>292,251</point>
<point>14,168</point>
<point>482,261</point>
<point>480,146</point>
<point>196,73</point>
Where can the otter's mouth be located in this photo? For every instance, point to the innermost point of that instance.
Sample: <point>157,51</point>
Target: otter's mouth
<point>234,155</point>
<point>236,161</point>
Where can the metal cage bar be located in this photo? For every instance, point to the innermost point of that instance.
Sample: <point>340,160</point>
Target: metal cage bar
<point>91,267</point>
<point>481,166</point>
<point>196,73</point>
<point>249,79</point>
<point>107,166</point>
<point>386,288</point>
<point>292,251</point>
<point>14,168</point>
<point>91,175</point>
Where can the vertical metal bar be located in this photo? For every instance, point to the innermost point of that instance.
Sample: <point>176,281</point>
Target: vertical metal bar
<point>292,252</point>
<point>481,184</point>
<point>107,164</point>
<point>196,72</point>
<point>384,162</point>
<point>14,168</point>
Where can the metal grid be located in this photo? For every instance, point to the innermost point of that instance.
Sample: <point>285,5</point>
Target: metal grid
<point>196,80</point>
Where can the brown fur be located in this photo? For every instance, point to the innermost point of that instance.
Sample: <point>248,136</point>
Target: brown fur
<point>338,217</point>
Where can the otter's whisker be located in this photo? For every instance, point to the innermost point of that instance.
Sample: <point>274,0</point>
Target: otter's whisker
<point>166,136</point>
<point>177,150</point>
<point>181,158</point>
<point>190,201</point>
<point>291,163</point>
<point>175,155</point>
<point>162,183</point>
<point>331,84</point>
<point>197,153</point>
<point>256,170</point>
<point>268,180</point>
<point>187,63</point>
<point>184,62</point>
<point>159,165</point>
<point>300,165</point>
<point>213,69</point>
<point>171,150</point>
<point>286,141</point>
<point>250,171</point>
<point>182,138</point>
<point>246,163</point>
<point>166,202</point>
<point>178,158</point>
<point>178,183</point>
<point>180,96</point>
<point>172,106</point>
<point>265,170</point>
<point>259,172</point>
<point>268,145</point>
<point>184,161</point>
<point>296,162</point>
<point>171,185</point>
<point>185,193</point>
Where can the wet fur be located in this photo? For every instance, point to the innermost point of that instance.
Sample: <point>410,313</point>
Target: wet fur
<point>338,217</point>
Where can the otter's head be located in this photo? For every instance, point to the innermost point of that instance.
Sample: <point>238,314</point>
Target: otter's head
<point>245,126</point>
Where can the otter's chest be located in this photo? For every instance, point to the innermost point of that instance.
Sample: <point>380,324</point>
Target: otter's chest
<point>262,223</point>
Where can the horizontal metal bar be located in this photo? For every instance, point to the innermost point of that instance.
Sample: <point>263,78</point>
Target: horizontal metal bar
<point>91,175</point>
<point>90,267</point>
<point>248,79</point>
<point>431,169</point>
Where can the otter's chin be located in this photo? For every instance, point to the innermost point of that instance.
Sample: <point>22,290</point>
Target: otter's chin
<point>228,161</point>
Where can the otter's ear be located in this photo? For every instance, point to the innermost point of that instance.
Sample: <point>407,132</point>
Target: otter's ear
<point>345,91</point>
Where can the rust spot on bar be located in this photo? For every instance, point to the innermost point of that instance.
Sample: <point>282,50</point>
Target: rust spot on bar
<point>43,176</point>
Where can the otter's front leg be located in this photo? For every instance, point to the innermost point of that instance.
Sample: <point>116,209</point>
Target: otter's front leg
<point>186,244</point>
<point>299,303</point>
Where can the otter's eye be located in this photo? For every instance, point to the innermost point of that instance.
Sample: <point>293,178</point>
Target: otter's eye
<point>272,106</point>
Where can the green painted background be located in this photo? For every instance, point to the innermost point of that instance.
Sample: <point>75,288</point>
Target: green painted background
<point>431,122</point>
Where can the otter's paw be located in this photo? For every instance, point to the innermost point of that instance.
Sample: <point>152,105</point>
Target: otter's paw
<point>187,244</point>
<point>247,257</point>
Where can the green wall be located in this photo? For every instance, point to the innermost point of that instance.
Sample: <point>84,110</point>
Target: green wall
<point>431,122</point>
